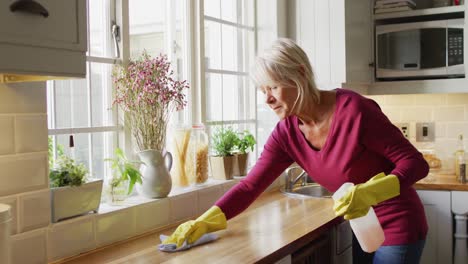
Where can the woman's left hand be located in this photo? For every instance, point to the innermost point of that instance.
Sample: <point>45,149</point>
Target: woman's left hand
<point>357,201</point>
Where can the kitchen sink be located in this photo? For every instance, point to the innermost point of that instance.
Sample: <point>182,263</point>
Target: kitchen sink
<point>308,190</point>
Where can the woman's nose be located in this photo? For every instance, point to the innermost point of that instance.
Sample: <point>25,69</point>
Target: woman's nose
<point>269,98</point>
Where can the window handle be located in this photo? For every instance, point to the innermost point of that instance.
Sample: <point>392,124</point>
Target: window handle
<point>29,6</point>
<point>116,37</point>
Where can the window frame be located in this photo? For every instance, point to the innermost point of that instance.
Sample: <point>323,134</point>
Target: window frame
<point>202,100</point>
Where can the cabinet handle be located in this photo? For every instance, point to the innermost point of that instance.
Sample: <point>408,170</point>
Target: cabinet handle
<point>29,6</point>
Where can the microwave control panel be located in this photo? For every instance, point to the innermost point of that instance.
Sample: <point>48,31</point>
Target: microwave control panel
<point>455,46</point>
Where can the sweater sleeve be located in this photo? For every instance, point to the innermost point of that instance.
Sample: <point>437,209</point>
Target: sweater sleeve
<point>272,162</point>
<point>381,136</point>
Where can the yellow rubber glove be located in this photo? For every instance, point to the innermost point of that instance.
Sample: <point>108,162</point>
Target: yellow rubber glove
<point>359,198</point>
<point>212,220</point>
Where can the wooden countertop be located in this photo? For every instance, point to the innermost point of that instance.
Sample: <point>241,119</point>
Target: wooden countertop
<point>441,182</point>
<point>274,226</point>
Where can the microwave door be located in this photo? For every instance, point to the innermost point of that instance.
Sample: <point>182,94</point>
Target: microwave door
<point>411,50</point>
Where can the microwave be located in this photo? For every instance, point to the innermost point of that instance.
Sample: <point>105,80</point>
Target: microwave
<point>420,50</point>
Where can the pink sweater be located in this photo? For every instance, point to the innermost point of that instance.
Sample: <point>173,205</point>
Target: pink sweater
<point>361,143</point>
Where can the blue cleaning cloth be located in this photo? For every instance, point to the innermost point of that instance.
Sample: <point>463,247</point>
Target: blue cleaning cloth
<point>173,247</point>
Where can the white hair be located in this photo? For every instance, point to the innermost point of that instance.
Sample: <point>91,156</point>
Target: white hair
<point>286,64</point>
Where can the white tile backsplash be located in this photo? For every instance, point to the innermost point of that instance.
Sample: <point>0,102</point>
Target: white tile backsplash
<point>207,197</point>
<point>23,173</point>
<point>7,135</point>
<point>31,133</point>
<point>115,226</point>
<point>23,98</point>
<point>417,113</point>
<point>34,210</point>
<point>71,237</point>
<point>29,247</point>
<point>152,215</point>
<point>449,113</point>
<point>183,206</point>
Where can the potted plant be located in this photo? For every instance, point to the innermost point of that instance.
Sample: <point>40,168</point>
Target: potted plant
<point>244,144</point>
<point>223,143</point>
<point>72,193</point>
<point>124,176</point>
<point>147,92</point>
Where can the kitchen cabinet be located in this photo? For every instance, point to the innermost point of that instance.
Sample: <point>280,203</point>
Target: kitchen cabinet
<point>460,211</point>
<point>319,31</point>
<point>338,36</point>
<point>332,247</point>
<point>438,247</point>
<point>52,44</point>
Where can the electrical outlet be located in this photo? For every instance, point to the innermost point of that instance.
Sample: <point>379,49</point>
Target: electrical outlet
<point>404,128</point>
<point>425,132</point>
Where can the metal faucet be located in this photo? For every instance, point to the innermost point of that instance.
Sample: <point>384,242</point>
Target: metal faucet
<point>291,182</point>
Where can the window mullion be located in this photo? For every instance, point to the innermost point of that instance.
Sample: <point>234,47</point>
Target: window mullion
<point>90,116</point>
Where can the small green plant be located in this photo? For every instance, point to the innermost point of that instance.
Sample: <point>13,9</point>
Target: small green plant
<point>245,141</point>
<point>125,170</point>
<point>60,151</point>
<point>67,172</point>
<point>224,141</point>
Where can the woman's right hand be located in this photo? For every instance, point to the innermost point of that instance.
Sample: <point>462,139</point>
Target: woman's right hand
<point>190,231</point>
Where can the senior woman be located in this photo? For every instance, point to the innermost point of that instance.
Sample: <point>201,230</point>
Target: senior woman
<point>336,136</point>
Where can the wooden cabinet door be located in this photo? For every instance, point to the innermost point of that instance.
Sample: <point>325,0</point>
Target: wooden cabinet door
<point>438,248</point>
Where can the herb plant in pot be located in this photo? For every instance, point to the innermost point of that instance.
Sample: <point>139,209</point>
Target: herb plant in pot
<point>245,144</point>
<point>125,175</point>
<point>147,92</point>
<point>72,193</point>
<point>223,144</point>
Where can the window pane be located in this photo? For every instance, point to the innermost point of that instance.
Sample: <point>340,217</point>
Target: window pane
<point>248,12</point>
<point>214,108</point>
<point>248,49</point>
<point>212,8</point>
<point>99,24</point>
<point>249,92</point>
<point>80,153</point>
<point>101,95</point>
<point>147,22</point>
<point>231,107</point>
<point>71,109</point>
<point>102,149</point>
<point>212,45</point>
<point>229,10</point>
<point>229,49</point>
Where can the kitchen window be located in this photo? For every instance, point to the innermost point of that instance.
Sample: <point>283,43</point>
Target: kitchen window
<point>80,110</point>
<point>228,96</point>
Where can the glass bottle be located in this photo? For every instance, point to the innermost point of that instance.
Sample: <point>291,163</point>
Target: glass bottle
<point>459,154</point>
<point>197,165</point>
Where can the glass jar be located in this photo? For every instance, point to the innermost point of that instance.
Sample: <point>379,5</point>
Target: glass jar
<point>179,147</point>
<point>197,165</point>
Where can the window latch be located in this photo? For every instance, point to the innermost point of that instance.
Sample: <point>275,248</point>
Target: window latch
<point>116,37</point>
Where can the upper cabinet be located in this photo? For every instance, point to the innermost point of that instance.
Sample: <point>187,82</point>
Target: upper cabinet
<point>419,46</point>
<point>405,47</point>
<point>42,38</point>
<point>319,28</point>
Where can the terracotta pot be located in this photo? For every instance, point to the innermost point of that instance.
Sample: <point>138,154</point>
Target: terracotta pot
<point>240,164</point>
<point>221,167</point>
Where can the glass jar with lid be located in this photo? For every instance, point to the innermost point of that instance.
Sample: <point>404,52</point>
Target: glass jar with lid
<point>179,147</point>
<point>197,165</point>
